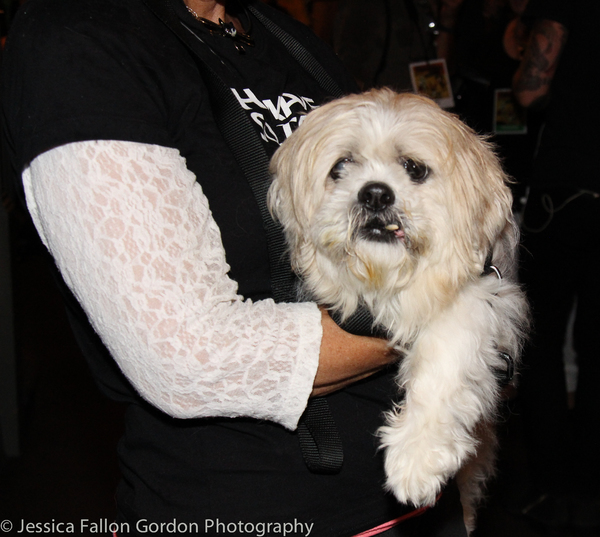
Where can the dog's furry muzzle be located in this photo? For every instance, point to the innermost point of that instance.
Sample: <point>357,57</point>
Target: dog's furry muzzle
<point>375,215</point>
<point>383,227</point>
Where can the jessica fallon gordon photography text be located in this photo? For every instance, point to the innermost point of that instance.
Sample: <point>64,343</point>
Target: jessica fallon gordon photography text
<point>144,526</point>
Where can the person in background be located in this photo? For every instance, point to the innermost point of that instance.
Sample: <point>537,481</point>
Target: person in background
<point>560,53</point>
<point>378,40</point>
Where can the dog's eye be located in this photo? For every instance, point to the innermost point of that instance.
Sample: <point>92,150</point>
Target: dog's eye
<point>339,167</point>
<point>417,171</point>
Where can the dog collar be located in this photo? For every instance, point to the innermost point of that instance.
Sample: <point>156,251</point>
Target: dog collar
<point>489,268</point>
<point>504,376</point>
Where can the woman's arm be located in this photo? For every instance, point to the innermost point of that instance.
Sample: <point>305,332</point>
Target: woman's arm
<point>133,236</point>
<point>346,358</point>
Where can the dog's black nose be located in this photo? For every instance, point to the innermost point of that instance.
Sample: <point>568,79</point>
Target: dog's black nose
<point>376,196</point>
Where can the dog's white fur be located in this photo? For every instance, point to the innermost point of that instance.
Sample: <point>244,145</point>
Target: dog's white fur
<point>424,283</point>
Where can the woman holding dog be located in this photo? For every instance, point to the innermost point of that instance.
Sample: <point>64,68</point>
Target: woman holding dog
<point>114,115</point>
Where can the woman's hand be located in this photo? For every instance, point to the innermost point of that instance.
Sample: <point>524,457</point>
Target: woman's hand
<point>345,358</point>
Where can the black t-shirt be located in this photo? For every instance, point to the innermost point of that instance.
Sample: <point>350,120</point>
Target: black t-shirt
<point>109,69</point>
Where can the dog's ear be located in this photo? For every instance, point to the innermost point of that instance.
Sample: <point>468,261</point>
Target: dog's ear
<point>274,197</point>
<point>295,172</point>
<point>479,180</point>
<point>496,221</point>
<point>505,250</point>
<point>280,197</point>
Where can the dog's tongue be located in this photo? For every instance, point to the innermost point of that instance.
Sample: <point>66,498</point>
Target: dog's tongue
<point>396,229</point>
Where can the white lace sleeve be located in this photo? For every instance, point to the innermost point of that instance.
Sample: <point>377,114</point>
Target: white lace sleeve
<point>133,236</point>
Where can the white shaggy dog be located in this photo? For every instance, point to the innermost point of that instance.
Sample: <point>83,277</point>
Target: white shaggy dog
<point>390,202</point>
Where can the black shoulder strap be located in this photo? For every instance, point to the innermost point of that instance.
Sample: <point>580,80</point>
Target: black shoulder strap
<point>319,440</point>
<point>248,150</point>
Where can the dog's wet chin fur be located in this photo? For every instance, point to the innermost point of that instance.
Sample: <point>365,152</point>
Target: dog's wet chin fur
<point>387,200</point>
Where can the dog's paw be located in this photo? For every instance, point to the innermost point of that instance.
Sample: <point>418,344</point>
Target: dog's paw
<point>418,463</point>
<point>412,479</point>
